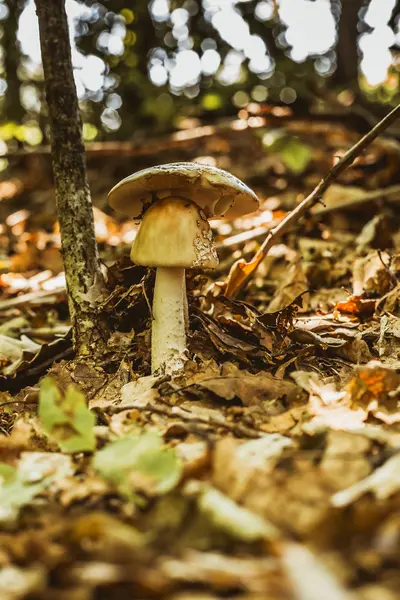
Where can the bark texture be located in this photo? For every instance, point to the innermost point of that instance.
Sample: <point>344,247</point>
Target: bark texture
<point>74,207</point>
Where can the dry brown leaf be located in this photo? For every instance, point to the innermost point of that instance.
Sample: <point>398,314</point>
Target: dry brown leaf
<point>371,274</point>
<point>309,576</point>
<point>376,388</point>
<point>222,572</point>
<point>383,483</point>
<point>345,460</point>
<point>356,306</point>
<point>238,468</point>
<point>195,457</point>
<point>240,272</point>
<point>294,284</point>
<point>252,390</point>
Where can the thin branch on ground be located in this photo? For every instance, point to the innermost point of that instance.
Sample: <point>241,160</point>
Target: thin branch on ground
<point>178,413</point>
<point>390,193</point>
<point>242,271</point>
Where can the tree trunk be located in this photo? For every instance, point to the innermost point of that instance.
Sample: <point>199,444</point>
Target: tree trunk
<point>347,49</point>
<point>13,109</point>
<point>78,244</point>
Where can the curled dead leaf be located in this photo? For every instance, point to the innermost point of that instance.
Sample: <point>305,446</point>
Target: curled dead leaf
<point>356,306</point>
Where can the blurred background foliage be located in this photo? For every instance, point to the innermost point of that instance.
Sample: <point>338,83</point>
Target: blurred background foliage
<point>162,64</point>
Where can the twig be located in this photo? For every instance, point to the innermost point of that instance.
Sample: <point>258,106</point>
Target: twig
<point>16,402</point>
<point>384,193</point>
<point>147,300</point>
<point>177,412</point>
<point>240,238</point>
<point>30,297</point>
<point>242,271</point>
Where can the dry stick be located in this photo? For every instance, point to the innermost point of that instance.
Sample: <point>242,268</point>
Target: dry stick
<point>178,413</point>
<point>30,297</point>
<point>242,271</point>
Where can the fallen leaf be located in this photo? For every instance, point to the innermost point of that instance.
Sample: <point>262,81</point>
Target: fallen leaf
<point>46,354</point>
<point>140,392</point>
<point>356,306</point>
<point>293,285</point>
<point>234,520</point>
<point>226,343</point>
<point>371,274</point>
<point>375,233</point>
<point>376,388</point>
<point>238,467</point>
<point>383,483</point>
<point>66,419</point>
<point>308,575</point>
<point>17,583</point>
<point>252,390</point>
<point>35,472</point>
<point>224,572</point>
<point>195,457</point>
<point>239,274</point>
<point>140,462</point>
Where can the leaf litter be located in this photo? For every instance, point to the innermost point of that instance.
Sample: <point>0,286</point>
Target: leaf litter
<point>270,468</point>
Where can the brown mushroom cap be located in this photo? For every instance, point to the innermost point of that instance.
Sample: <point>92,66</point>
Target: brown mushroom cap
<point>215,191</point>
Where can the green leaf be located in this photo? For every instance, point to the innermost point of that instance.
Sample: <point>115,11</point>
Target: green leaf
<point>67,420</point>
<point>295,155</point>
<point>140,462</point>
<point>7,473</point>
<point>15,494</point>
<point>50,412</point>
<point>34,473</point>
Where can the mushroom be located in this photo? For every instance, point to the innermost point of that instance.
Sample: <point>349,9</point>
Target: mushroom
<point>174,202</point>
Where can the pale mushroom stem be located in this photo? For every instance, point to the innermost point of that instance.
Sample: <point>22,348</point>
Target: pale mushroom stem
<point>168,336</point>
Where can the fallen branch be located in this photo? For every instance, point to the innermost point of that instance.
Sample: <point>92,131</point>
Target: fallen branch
<point>189,138</point>
<point>176,140</point>
<point>242,271</point>
<point>30,297</point>
<point>175,412</point>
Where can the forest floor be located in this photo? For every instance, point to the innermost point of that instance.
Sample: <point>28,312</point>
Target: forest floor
<point>270,470</point>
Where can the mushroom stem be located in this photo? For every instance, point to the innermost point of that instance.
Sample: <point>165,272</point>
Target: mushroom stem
<point>168,336</point>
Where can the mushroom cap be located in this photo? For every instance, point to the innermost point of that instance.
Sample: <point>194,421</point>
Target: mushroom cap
<point>216,191</point>
<point>174,233</point>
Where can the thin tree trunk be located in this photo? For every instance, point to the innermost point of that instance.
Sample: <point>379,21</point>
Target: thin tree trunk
<point>13,109</point>
<point>78,245</point>
<point>347,50</point>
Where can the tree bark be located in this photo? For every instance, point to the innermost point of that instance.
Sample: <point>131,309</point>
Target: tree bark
<point>74,207</point>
